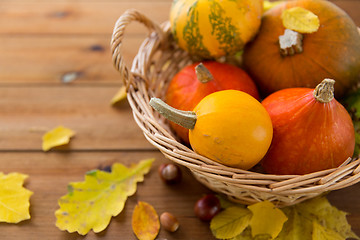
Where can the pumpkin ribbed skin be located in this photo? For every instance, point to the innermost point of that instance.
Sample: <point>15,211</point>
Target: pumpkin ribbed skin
<point>331,52</point>
<point>185,91</point>
<point>214,28</point>
<point>309,136</point>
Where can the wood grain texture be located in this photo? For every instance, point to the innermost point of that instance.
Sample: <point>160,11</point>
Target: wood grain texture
<point>28,112</point>
<point>73,17</point>
<point>55,69</point>
<point>54,58</point>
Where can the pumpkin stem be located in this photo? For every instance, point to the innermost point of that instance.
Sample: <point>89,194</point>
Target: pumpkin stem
<point>186,119</point>
<point>324,92</point>
<point>290,43</point>
<point>203,74</point>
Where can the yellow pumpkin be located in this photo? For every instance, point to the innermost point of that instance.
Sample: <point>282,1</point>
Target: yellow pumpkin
<point>214,28</point>
<point>230,127</point>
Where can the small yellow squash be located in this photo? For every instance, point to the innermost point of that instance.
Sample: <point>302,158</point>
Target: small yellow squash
<point>230,127</point>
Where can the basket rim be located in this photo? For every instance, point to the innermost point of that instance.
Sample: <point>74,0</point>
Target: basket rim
<point>181,154</point>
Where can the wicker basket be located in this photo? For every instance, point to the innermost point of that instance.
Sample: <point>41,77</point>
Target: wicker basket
<point>158,60</point>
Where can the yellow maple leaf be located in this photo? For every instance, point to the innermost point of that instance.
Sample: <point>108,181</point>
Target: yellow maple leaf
<point>91,204</point>
<point>56,137</point>
<point>14,198</point>
<point>145,221</point>
<point>119,96</point>
<point>267,219</point>
<point>300,20</point>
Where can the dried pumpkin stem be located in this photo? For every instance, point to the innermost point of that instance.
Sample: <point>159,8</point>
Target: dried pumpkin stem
<point>186,119</point>
<point>324,92</point>
<point>203,74</point>
<point>290,43</point>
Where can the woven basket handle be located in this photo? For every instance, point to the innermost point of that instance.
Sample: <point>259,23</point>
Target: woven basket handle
<point>117,37</point>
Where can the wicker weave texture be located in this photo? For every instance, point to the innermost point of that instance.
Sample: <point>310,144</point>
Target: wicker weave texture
<point>157,61</point>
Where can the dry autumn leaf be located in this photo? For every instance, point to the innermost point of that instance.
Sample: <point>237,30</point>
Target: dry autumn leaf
<point>56,137</point>
<point>267,219</point>
<point>119,96</point>
<point>300,20</point>
<point>91,204</point>
<point>302,216</point>
<point>145,221</point>
<point>230,222</point>
<point>322,233</point>
<point>14,198</point>
<point>313,219</point>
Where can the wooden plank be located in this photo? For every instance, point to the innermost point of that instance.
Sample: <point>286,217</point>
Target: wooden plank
<point>82,17</point>
<point>28,112</point>
<point>91,17</point>
<point>73,17</point>
<point>49,59</point>
<point>49,175</point>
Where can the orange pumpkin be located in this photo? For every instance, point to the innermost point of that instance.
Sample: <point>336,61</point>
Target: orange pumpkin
<point>333,51</point>
<point>312,131</point>
<point>185,90</point>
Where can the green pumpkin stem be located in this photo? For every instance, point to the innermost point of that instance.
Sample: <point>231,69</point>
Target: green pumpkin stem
<point>290,43</point>
<point>203,74</point>
<point>186,119</point>
<point>324,92</point>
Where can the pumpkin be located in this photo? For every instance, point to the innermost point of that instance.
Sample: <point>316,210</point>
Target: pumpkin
<point>333,51</point>
<point>195,81</point>
<point>230,127</point>
<point>214,28</point>
<point>312,130</point>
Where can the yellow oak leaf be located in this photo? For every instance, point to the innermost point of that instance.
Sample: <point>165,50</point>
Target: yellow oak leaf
<point>300,20</point>
<point>145,221</point>
<point>267,219</point>
<point>119,96</point>
<point>56,137</point>
<point>91,204</point>
<point>230,222</point>
<point>14,198</point>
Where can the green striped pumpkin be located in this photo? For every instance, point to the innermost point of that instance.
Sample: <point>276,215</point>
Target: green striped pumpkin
<point>215,28</point>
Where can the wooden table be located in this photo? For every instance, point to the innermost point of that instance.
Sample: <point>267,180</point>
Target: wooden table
<point>56,69</point>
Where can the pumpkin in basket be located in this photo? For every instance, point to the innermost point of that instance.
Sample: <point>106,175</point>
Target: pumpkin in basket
<point>198,80</point>
<point>230,127</point>
<point>214,28</point>
<point>333,51</point>
<point>312,131</point>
